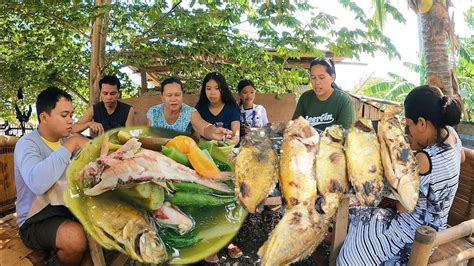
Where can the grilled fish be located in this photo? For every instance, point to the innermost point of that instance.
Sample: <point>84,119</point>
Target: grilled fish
<point>129,229</point>
<point>295,237</point>
<point>256,171</point>
<point>399,162</point>
<point>128,166</point>
<point>331,173</point>
<point>363,162</point>
<point>297,163</point>
<point>301,228</point>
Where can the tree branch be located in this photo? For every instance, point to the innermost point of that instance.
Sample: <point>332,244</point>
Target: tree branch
<point>60,20</point>
<point>74,91</point>
<point>140,38</point>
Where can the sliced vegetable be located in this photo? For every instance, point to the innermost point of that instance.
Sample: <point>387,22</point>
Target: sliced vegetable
<point>114,146</point>
<point>148,196</point>
<point>218,153</point>
<point>175,240</point>
<point>222,166</point>
<point>198,200</point>
<point>123,136</point>
<point>191,188</point>
<point>175,155</point>
<point>203,165</point>
<point>181,143</point>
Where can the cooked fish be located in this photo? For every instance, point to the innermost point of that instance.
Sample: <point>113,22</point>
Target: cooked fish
<point>256,171</point>
<point>171,216</point>
<point>295,237</point>
<point>399,162</point>
<point>301,228</point>
<point>297,163</point>
<point>363,162</point>
<point>129,229</point>
<point>331,173</point>
<point>128,166</point>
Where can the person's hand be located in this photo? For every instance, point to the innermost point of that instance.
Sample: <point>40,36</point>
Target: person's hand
<point>75,142</point>
<point>221,134</point>
<point>96,128</point>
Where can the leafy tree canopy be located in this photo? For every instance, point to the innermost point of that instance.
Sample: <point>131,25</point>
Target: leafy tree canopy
<point>49,44</point>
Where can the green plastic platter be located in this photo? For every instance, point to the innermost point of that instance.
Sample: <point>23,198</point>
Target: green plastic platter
<point>216,226</point>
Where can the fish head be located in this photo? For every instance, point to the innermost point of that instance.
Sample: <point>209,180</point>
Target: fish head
<point>151,248</point>
<point>335,133</point>
<point>142,242</point>
<point>364,124</point>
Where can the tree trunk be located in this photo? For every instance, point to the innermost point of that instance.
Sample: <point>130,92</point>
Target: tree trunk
<point>436,26</point>
<point>98,43</point>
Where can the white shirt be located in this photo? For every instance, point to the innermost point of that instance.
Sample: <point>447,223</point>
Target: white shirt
<point>254,117</point>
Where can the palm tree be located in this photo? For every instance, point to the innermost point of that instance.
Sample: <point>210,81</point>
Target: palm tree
<point>437,28</point>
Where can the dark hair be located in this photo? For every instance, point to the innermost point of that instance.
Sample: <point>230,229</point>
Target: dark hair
<point>111,80</point>
<point>242,84</point>
<point>170,80</point>
<point>47,99</point>
<point>328,63</point>
<point>429,102</point>
<point>226,95</point>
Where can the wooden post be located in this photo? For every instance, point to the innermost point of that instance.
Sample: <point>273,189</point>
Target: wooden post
<point>144,87</point>
<point>340,229</point>
<point>96,252</point>
<point>421,250</point>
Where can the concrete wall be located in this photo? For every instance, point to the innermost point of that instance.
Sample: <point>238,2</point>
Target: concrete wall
<point>278,108</point>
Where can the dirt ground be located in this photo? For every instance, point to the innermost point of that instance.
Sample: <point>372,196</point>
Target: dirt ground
<point>254,232</point>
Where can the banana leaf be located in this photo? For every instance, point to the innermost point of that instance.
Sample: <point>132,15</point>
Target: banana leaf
<point>215,226</point>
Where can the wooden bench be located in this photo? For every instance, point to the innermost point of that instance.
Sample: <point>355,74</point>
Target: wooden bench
<point>14,252</point>
<point>454,245</point>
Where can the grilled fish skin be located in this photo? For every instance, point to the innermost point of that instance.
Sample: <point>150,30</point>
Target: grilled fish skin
<point>256,171</point>
<point>297,163</point>
<point>129,227</point>
<point>295,237</point>
<point>364,163</point>
<point>128,166</point>
<point>331,172</point>
<point>399,162</point>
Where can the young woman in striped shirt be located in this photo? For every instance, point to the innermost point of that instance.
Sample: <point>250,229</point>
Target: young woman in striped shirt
<point>379,236</point>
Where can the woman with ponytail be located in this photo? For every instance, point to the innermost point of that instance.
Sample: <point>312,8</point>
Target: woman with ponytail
<point>379,236</point>
<point>325,104</point>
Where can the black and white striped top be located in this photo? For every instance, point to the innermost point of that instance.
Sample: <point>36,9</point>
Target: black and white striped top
<point>379,236</point>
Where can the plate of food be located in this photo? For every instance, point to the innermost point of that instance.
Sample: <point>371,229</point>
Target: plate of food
<point>155,207</point>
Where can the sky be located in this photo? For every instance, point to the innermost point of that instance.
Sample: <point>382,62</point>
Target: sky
<point>403,36</point>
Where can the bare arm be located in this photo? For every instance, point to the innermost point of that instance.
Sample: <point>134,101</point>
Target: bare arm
<point>130,117</point>
<point>86,122</point>
<point>207,130</point>
<point>235,126</point>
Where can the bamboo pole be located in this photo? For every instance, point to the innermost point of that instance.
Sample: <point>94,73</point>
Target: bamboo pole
<point>421,250</point>
<point>340,229</point>
<point>96,252</point>
<point>463,229</point>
